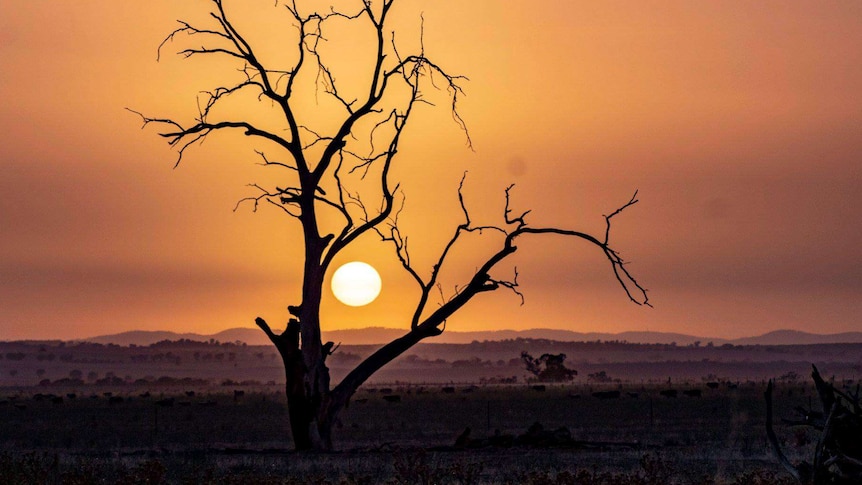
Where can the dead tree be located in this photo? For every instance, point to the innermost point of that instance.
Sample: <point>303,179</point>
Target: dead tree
<point>838,452</point>
<point>327,168</point>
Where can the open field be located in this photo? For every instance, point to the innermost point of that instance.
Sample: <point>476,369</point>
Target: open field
<point>718,437</point>
<point>29,363</point>
<point>198,412</point>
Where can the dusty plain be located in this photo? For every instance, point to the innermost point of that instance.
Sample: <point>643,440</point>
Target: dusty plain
<point>197,412</point>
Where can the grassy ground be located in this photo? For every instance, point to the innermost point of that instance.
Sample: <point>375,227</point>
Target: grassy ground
<point>217,438</point>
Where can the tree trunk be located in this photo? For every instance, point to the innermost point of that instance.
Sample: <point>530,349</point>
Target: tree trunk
<point>312,386</point>
<point>299,409</point>
<point>304,408</point>
<point>313,409</point>
<point>300,346</point>
<point>299,413</point>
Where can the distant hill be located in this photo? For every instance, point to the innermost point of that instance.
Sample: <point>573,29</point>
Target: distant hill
<point>795,337</point>
<point>251,336</point>
<point>145,337</point>
<point>378,335</point>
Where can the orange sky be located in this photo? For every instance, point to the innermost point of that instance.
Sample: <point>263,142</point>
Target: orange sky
<point>739,122</point>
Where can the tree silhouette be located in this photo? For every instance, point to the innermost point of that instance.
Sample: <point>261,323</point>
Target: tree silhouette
<point>548,367</point>
<point>328,168</point>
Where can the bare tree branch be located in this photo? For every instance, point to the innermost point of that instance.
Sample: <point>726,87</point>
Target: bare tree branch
<point>268,162</point>
<point>838,451</point>
<point>481,282</point>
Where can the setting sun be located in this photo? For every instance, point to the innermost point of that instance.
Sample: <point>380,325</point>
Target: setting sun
<point>356,283</point>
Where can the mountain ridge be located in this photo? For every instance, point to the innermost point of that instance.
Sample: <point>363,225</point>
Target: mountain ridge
<point>381,335</point>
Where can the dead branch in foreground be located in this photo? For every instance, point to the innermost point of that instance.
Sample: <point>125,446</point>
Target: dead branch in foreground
<point>838,453</point>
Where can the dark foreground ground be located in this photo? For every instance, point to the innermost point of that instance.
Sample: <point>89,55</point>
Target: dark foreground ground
<point>216,436</point>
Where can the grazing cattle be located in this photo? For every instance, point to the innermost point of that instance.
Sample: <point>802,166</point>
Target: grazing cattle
<point>72,395</point>
<point>573,395</point>
<point>692,392</point>
<point>190,393</point>
<point>538,387</point>
<point>607,394</point>
<point>386,390</point>
<point>361,400</point>
<point>238,394</point>
<point>712,385</point>
<point>448,390</point>
<point>392,398</point>
<point>165,403</point>
<point>669,393</point>
<point>207,404</point>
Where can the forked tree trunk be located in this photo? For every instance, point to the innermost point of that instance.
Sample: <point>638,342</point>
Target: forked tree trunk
<point>303,355</point>
<point>300,408</point>
<point>312,414</point>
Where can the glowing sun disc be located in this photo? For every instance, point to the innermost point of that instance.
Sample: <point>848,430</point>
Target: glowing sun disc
<point>356,283</point>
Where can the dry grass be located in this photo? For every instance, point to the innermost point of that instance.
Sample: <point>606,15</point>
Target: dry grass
<point>718,438</point>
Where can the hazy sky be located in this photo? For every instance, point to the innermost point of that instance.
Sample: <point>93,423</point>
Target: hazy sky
<point>739,122</point>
